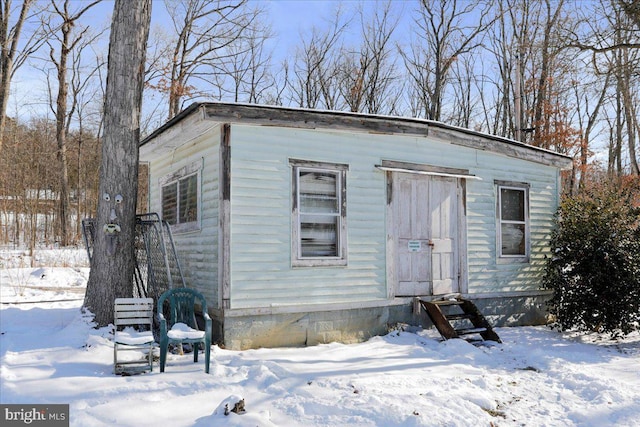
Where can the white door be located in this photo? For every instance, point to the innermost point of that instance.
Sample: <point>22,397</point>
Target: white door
<point>425,223</point>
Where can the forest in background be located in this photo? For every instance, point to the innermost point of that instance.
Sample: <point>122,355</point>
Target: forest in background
<point>563,75</point>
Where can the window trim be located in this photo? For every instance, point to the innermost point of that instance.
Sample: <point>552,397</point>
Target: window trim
<point>297,260</point>
<point>519,186</point>
<point>174,178</point>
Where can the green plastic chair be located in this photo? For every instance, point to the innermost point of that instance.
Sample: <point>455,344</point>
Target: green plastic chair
<point>178,325</point>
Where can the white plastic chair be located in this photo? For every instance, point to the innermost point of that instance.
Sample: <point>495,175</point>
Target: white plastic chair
<point>133,320</point>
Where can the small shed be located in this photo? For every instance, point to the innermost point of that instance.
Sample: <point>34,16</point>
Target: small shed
<point>303,226</point>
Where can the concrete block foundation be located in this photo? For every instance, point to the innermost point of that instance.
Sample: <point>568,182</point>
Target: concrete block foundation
<point>358,325</point>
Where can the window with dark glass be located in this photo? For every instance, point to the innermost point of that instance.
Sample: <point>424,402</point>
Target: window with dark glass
<point>188,206</point>
<point>170,203</point>
<point>513,218</point>
<point>180,200</point>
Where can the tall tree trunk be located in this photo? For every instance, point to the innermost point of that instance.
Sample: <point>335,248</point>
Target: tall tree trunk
<point>8,49</point>
<point>616,159</point>
<point>585,138</point>
<point>632,126</point>
<point>112,263</point>
<point>629,111</point>
<point>67,45</point>
<point>540,122</point>
<point>61,135</point>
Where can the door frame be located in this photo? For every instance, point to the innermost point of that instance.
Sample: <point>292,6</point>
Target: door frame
<point>393,167</point>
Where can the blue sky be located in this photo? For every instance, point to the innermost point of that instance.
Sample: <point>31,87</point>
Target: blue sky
<point>289,18</point>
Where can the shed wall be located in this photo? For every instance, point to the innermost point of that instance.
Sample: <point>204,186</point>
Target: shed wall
<point>197,250</point>
<point>261,189</point>
<point>487,273</point>
<point>261,272</point>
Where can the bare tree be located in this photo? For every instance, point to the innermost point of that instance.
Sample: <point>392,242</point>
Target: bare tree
<point>368,73</point>
<point>204,29</point>
<point>532,102</point>
<point>26,173</point>
<point>515,44</point>
<point>615,56</point>
<point>496,87</point>
<point>630,105</point>
<point>627,62</point>
<point>112,263</point>
<point>521,64</point>
<point>616,134</point>
<point>11,57</point>
<point>316,66</point>
<point>443,35</point>
<point>68,42</point>
<point>281,83</point>
<point>86,101</point>
<point>587,115</point>
<point>548,50</point>
<point>248,67</point>
<point>463,96</point>
<point>632,10</point>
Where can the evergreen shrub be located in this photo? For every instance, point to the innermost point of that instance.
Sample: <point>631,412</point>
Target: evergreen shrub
<point>594,269</point>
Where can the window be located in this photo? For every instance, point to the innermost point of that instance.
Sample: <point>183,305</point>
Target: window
<point>319,214</point>
<point>180,198</point>
<point>513,220</point>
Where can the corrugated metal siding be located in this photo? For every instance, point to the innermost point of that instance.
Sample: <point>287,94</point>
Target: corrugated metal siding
<point>197,250</point>
<point>261,189</point>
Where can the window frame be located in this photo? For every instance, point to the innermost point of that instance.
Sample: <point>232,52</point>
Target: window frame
<point>175,178</point>
<point>340,170</point>
<point>515,186</point>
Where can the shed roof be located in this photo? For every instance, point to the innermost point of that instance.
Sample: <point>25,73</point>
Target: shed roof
<point>208,113</point>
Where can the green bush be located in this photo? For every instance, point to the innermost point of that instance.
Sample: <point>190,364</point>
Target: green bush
<point>594,269</point>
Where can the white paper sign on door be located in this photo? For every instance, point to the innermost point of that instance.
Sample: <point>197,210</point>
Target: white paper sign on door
<point>414,245</point>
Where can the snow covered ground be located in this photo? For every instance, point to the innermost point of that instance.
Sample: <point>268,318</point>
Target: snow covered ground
<point>50,353</point>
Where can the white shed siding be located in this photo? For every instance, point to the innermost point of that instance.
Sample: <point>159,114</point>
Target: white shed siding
<point>261,220</point>
<point>486,273</point>
<point>197,250</point>
<point>261,271</point>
